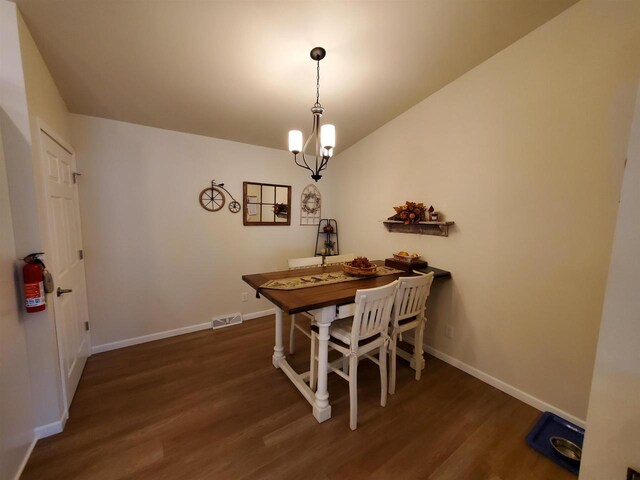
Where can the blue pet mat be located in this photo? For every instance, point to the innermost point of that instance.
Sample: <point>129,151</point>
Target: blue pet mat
<point>551,425</point>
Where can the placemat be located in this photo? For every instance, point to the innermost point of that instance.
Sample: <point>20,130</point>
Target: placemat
<point>306,281</point>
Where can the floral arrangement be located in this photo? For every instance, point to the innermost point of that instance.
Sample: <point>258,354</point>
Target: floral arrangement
<point>281,210</point>
<point>410,212</point>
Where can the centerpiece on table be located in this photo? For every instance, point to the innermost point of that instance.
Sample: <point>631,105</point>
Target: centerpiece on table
<point>410,212</point>
<point>360,266</point>
<point>406,257</point>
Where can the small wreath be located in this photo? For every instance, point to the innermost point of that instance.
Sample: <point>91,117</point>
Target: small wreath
<point>307,198</point>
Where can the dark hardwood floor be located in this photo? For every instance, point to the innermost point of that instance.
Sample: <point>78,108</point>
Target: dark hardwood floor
<point>209,405</point>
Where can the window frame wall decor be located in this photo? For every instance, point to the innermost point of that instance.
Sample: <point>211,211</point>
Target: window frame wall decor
<point>278,210</point>
<point>310,206</point>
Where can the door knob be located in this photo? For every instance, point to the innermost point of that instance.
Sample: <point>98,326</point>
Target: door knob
<point>62,291</point>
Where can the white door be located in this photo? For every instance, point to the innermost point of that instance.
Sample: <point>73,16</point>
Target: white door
<point>65,262</point>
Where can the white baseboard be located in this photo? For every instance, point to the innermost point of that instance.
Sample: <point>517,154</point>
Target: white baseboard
<point>51,428</point>
<point>105,347</point>
<point>27,455</point>
<point>503,386</point>
<point>38,433</point>
<point>254,315</point>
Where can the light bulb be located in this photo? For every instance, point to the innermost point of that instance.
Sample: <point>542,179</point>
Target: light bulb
<point>328,136</point>
<point>327,152</point>
<point>295,141</point>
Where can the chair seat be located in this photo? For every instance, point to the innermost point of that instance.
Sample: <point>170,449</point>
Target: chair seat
<point>407,320</point>
<point>340,333</point>
<point>341,330</point>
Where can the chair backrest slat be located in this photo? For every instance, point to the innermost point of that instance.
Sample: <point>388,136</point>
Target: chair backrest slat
<point>345,257</point>
<point>373,312</point>
<point>411,298</point>
<point>304,262</point>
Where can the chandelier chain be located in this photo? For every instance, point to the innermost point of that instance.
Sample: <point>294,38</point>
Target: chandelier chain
<point>318,84</point>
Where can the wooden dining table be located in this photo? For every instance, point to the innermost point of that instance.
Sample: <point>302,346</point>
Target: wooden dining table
<point>323,303</point>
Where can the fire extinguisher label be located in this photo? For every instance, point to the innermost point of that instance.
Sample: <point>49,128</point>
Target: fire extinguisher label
<point>34,294</point>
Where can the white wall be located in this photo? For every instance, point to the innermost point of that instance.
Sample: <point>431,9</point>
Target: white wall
<point>525,153</point>
<point>16,416</point>
<point>612,442</point>
<point>155,260</point>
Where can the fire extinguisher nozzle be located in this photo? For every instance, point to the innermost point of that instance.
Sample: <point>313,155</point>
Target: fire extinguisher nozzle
<point>32,256</point>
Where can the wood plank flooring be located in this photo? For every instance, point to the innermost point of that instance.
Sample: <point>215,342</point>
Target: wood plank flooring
<point>209,405</point>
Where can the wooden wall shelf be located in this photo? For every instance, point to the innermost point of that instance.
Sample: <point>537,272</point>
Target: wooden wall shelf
<point>440,229</point>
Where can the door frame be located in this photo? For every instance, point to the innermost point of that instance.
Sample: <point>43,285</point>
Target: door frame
<point>44,212</point>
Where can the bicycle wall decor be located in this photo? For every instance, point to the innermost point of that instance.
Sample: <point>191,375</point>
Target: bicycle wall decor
<point>213,199</point>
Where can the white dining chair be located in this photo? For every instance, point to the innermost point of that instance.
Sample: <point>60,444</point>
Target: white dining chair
<point>333,259</point>
<point>355,337</point>
<point>295,263</point>
<point>304,262</point>
<point>408,313</point>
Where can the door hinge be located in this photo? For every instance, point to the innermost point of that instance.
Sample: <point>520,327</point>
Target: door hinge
<point>81,254</point>
<point>86,326</point>
<point>75,176</point>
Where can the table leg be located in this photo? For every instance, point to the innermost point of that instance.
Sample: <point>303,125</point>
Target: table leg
<point>278,349</point>
<point>321,407</point>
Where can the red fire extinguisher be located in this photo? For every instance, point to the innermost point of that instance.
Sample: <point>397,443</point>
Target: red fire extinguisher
<point>33,274</point>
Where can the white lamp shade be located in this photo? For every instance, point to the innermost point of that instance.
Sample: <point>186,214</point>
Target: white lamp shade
<point>295,141</point>
<point>328,136</point>
<point>327,152</point>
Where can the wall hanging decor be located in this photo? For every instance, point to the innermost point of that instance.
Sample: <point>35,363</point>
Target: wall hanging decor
<point>415,217</point>
<point>281,210</point>
<point>310,205</point>
<point>322,139</point>
<point>212,198</point>
<point>266,204</point>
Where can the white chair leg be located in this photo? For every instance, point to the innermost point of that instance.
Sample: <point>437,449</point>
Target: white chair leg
<point>392,370</point>
<point>382,360</point>
<point>313,363</point>
<point>417,349</point>
<point>292,334</point>
<point>353,392</point>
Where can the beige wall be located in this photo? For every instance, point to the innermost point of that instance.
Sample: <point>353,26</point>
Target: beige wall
<point>525,153</point>
<point>614,408</point>
<point>155,260</point>
<point>16,409</point>
<point>44,105</point>
<point>43,97</point>
<point>16,413</point>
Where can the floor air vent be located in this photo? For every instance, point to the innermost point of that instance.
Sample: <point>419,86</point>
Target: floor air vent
<point>233,319</point>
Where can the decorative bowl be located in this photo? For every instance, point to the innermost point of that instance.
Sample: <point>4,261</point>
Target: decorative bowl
<point>566,450</point>
<point>359,272</point>
<point>413,257</point>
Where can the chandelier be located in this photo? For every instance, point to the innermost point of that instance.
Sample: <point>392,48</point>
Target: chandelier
<point>324,137</point>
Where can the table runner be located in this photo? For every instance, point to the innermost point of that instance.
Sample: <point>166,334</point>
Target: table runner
<point>318,279</point>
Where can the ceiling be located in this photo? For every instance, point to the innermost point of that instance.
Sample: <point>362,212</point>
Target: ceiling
<point>241,70</point>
